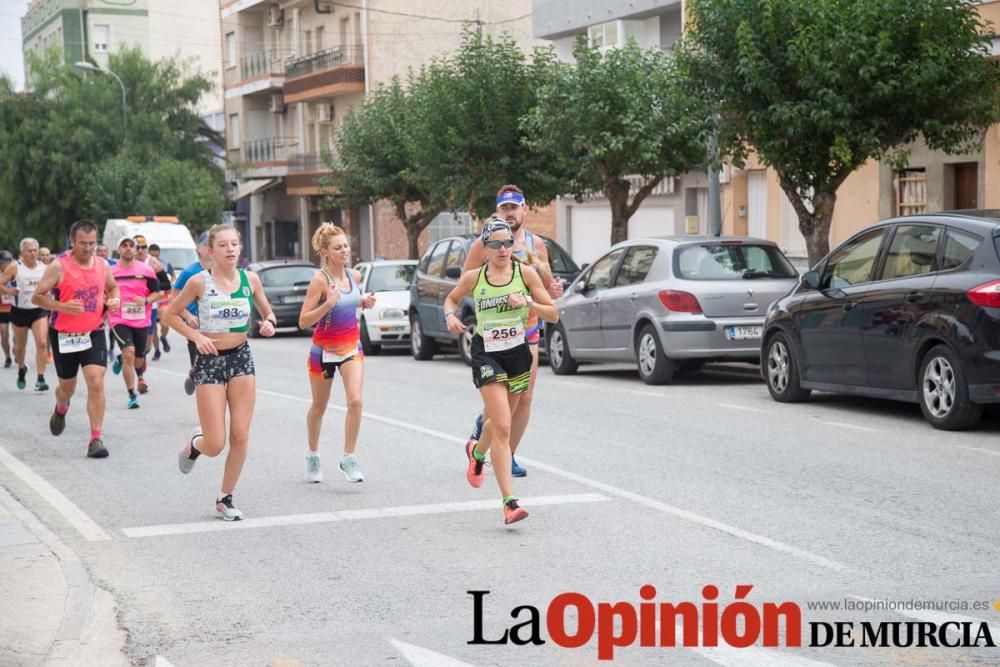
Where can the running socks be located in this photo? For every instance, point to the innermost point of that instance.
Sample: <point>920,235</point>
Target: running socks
<point>62,409</point>
<point>477,455</point>
<point>95,434</point>
<point>507,499</point>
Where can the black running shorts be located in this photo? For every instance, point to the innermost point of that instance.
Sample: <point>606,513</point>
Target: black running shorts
<point>68,365</point>
<point>512,367</point>
<point>25,317</point>
<point>131,337</point>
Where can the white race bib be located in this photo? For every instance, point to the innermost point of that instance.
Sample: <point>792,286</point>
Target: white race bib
<point>7,299</point>
<point>330,357</point>
<point>133,311</point>
<point>503,335</point>
<point>73,342</point>
<point>227,314</point>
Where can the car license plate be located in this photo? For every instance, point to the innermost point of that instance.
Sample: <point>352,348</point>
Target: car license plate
<point>743,333</point>
<point>294,298</point>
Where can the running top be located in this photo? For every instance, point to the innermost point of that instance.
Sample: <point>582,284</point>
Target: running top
<point>501,326</point>
<point>189,272</point>
<point>136,280</point>
<point>85,284</point>
<point>225,313</point>
<point>522,254</point>
<point>27,280</point>
<point>337,331</point>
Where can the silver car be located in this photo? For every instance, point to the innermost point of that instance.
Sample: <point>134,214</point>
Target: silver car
<point>386,323</point>
<point>670,304</point>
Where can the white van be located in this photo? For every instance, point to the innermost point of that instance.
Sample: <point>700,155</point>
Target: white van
<point>176,244</point>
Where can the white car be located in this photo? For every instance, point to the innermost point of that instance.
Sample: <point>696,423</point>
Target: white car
<point>387,323</point>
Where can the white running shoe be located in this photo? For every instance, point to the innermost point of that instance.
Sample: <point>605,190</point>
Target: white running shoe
<point>224,509</point>
<point>352,471</point>
<point>187,456</point>
<point>313,472</point>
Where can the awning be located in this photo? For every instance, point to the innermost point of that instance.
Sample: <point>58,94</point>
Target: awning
<point>247,188</point>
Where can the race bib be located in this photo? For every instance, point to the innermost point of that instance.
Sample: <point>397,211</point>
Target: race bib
<point>7,299</point>
<point>226,314</point>
<point>133,311</point>
<point>330,357</point>
<point>503,335</point>
<point>73,342</point>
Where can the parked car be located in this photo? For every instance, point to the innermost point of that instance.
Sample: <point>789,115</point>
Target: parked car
<point>670,304</point>
<point>437,274</point>
<point>388,322</point>
<point>908,309</point>
<point>285,282</point>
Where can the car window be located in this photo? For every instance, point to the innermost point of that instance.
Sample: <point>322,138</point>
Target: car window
<point>600,273</point>
<point>636,265</point>
<point>456,256</point>
<point>730,261</point>
<point>363,270</point>
<point>852,263</point>
<point>559,261</point>
<point>436,260</point>
<point>287,276</point>
<point>958,247</point>
<point>913,251</point>
<point>392,277</point>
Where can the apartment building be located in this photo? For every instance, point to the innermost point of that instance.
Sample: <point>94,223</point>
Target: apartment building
<point>293,70</point>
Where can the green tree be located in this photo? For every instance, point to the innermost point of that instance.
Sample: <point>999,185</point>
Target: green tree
<point>614,115</point>
<point>174,187</point>
<point>113,189</point>
<point>816,88</point>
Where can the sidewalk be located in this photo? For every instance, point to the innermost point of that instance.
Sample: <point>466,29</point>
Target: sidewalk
<point>53,615</point>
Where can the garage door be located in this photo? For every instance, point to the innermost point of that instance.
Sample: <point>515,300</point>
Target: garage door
<point>590,233</point>
<point>651,221</point>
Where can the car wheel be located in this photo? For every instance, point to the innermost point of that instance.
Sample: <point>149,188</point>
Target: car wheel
<point>944,391</point>
<point>557,350</point>
<point>783,371</point>
<point>367,346</point>
<point>465,340</point>
<point>421,346</point>
<point>654,366</point>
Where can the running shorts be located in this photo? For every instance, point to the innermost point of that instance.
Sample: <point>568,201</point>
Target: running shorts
<point>68,365</point>
<point>512,367</point>
<point>25,317</point>
<point>326,369</point>
<point>221,368</point>
<point>132,337</point>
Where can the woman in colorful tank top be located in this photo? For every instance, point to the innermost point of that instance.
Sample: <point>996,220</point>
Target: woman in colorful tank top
<point>331,304</point>
<point>504,296</point>
<point>223,368</point>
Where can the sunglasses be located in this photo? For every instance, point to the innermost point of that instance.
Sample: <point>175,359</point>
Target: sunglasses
<point>142,247</point>
<point>497,244</point>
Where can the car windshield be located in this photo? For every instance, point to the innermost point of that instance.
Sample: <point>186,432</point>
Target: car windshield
<point>179,258</point>
<point>391,278</point>
<point>559,261</point>
<point>286,276</point>
<point>736,261</point>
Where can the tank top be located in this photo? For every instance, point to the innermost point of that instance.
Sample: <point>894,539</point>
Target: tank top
<point>501,326</point>
<point>337,332</point>
<point>136,280</point>
<point>85,284</point>
<point>27,280</point>
<point>225,313</point>
<point>522,254</point>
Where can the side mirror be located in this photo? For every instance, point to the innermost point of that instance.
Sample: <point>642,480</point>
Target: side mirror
<point>810,280</point>
<point>579,287</point>
<point>453,272</point>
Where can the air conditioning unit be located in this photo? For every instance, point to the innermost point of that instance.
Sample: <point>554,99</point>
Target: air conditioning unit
<point>275,17</point>
<point>324,113</point>
<point>277,103</point>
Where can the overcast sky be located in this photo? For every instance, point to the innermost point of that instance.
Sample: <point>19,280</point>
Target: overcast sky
<point>11,58</point>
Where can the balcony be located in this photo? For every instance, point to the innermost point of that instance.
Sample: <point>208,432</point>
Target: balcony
<point>259,72</point>
<point>268,157</point>
<point>305,171</point>
<point>336,71</point>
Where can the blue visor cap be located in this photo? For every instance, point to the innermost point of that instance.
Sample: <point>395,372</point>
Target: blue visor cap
<point>510,197</point>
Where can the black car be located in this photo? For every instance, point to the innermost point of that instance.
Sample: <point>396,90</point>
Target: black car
<point>437,274</point>
<point>908,309</point>
<point>285,282</point>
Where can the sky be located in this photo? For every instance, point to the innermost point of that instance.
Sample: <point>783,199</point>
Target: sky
<point>11,58</point>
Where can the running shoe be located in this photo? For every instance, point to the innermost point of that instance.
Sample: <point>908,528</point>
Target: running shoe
<point>313,472</point>
<point>224,509</point>
<point>477,428</point>
<point>8,363</point>
<point>512,512</point>
<point>190,454</point>
<point>156,356</point>
<point>474,473</point>
<point>352,471</point>
<point>166,345</point>
<point>22,375</point>
<point>133,402</point>
<point>96,449</point>
<point>41,385</point>
<point>516,470</point>
<point>116,367</point>
<point>57,423</point>
<point>143,387</point>
<point>189,385</point>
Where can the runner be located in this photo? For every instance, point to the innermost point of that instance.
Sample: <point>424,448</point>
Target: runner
<point>139,288</point>
<point>224,368</point>
<point>44,255</point>
<point>166,278</point>
<point>85,286</point>
<point>331,304</point>
<point>530,249</point>
<point>142,254</point>
<point>6,302</point>
<point>24,314</point>
<point>191,314</point>
<point>505,295</point>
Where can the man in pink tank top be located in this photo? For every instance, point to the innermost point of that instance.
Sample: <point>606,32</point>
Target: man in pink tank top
<point>83,286</point>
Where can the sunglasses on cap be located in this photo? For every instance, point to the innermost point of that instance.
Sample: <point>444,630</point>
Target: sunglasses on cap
<point>496,244</point>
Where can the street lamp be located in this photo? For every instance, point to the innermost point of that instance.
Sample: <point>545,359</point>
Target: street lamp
<point>88,67</point>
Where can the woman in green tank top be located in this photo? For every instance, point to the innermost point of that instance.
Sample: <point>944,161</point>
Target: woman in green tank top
<point>504,295</point>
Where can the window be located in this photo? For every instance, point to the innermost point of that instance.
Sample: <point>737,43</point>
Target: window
<point>309,43</point>
<point>436,262</point>
<point>913,251</point>
<point>605,34</point>
<point>724,261</point>
<point>958,247</point>
<point>234,130</point>
<point>319,38</point>
<point>600,274</point>
<point>456,256</point>
<point>287,276</point>
<point>853,262</point>
<point>559,261</point>
<point>911,191</point>
<point>392,278</point>
<point>230,49</point>
<point>636,265</point>
<point>102,38</point>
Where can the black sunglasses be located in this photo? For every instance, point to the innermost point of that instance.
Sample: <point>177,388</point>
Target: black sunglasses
<point>496,244</point>
<point>142,247</point>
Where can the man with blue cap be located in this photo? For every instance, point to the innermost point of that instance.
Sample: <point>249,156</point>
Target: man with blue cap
<point>191,316</point>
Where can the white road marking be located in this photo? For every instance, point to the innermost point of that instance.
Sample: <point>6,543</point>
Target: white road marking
<point>422,657</point>
<point>162,662</point>
<point>847,425</point>
<point>84,525</point>
<point>732,406</point>
<point>982,450</point>
<point>751,656</point>
<point>352,515</point>
<point>931,616</point>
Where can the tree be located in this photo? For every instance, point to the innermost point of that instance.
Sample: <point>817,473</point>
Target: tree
<point>816,88</point>
<point>190,192</point>
<point>618,114</point>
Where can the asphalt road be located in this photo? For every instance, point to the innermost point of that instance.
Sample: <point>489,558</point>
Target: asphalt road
<point>706,481</point>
